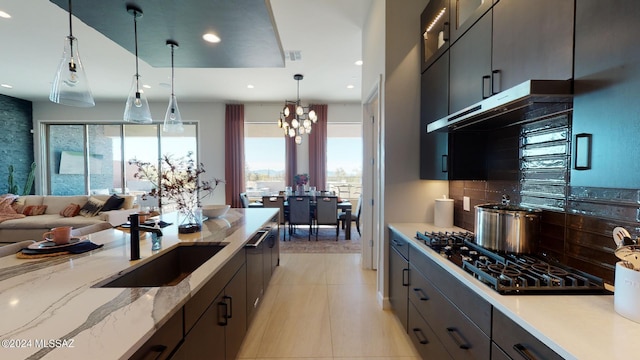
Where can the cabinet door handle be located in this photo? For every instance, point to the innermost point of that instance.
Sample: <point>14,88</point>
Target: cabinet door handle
<point>445,31</point>
<point>486,86</point>
<point>445,163</point>
<point>495,81</point>
<point>155,352</point>
<point>222,313</point>
<point>405,278</point>
<point>396,242</point>
<point>522,351</point>
<point>229,314</point>
<point>420,335</point>
<point>421,294</point>
<point>457,338</point>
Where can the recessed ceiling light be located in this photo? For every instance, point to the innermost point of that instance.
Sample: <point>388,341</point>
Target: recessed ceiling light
<point>164,85</point>
<point>6,86</point>
<point>350,86</point>
<point>146,86</point>
<point>250,86</point>
<point>4,15</point>
<point>212,38</point>
<point>359,63</point>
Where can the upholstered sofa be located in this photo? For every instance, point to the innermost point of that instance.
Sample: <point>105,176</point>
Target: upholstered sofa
<point>32,227</point>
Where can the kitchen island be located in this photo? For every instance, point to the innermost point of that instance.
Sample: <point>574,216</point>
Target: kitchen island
<point>51,309</point>
<point>573,326</point>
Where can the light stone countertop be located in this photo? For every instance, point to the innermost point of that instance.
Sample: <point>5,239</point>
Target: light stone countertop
<point>575,326</point>
<point>53,298</point>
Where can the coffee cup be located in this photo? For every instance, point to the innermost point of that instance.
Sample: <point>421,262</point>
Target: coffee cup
<point>59,235</point>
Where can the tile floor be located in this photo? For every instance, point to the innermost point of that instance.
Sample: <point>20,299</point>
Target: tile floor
<point>323,306</point>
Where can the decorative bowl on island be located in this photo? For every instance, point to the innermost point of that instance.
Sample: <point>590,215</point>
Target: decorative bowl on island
<point>215,211</point>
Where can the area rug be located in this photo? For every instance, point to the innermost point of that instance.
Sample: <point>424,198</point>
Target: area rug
<point>299,242</point>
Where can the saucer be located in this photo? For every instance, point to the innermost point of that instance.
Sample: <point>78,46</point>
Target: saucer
<point>49,244</point>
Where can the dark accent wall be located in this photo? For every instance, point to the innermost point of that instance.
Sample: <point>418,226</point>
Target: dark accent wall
<point>577,222</point>
<point>16,140</point>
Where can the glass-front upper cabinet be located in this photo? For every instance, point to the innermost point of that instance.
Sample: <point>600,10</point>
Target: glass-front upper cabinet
<point>465,13</point>
<point>434,24</point>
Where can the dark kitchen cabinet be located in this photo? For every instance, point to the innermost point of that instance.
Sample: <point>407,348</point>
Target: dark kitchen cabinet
<point>423,338</point>
<point>434,104</point>
<point>510,43</point>
<point>399,277</point>
<point>446,156</point>
<point>470,66</point>
<point>215,319</point>
<point>464,13</point>
<point>607,81</point>
<point>255,276</point>
<point>532,40</point>
<point>517,343</point>
<point>460,319</point>
<point>434,22</point>
<point>163,342</point>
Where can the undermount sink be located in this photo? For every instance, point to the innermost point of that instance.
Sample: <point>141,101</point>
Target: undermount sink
<point>168,269</point>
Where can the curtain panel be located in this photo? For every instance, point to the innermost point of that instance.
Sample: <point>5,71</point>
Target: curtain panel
<point>234,154</point>
<point>291,153</point>
<point>318,149</point>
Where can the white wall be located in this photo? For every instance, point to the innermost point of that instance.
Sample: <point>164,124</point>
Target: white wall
<point>406,197</point>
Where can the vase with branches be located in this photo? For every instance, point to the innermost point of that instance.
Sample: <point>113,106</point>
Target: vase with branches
<point>179,181</point>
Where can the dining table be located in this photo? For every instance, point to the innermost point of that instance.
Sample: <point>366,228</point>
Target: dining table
<point>344,206</point>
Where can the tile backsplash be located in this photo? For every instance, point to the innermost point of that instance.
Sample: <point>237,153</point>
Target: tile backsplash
<point>576,222</point>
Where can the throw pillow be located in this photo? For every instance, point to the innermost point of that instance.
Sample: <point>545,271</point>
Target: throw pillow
<point>32,210</point>
<point>92,207</point>
<point>71,210</point>
<point>18,205</point>
<point>113,203</point>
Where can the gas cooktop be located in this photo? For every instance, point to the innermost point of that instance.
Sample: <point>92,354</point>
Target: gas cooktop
<point>512,274</point>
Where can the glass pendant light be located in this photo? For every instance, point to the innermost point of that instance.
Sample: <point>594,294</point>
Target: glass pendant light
<point>137,107</point>
<point>172,119</point>
<point>70,85</point>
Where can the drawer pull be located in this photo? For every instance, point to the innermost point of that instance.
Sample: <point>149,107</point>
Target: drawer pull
<point>396,243</point>
<point>421,294</point>
<point>420,335</point>
<point>405,279</point>
<point>229,307</point>
<point>155,352</point>
<point>457,338</point>
<point>222,313</point>
<point>522,351</point>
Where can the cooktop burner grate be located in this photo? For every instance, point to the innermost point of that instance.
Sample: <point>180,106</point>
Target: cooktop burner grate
<point>511,274</point>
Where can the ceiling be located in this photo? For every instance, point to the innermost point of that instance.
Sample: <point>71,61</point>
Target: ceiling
<point>327,33</point>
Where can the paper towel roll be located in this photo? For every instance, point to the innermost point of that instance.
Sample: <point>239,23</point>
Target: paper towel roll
<point>443,213</point>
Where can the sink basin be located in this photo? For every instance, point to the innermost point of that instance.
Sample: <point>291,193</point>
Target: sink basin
<point>168,269</point>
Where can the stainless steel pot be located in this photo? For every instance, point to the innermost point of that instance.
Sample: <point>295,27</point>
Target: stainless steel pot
<point>507,228</point>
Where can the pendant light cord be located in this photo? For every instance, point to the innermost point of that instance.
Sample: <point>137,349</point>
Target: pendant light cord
<point>70,30</point>
<point>172,73</point>
<point>135,32</point>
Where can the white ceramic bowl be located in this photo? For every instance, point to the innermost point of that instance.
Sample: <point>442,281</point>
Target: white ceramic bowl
<point>215,211</point>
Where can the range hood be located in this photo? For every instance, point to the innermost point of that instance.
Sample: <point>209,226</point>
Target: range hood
<point>510,107</point>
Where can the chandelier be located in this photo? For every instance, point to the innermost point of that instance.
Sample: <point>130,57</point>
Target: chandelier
<point>301,121</point>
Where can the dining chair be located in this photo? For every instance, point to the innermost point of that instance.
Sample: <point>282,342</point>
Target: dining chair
<point>355,216</point>
<point>299,213</point>
<point>327,213</point>
<point>276,202</point>
<point>244,199</point>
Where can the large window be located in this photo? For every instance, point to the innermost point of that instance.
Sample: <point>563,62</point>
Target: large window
<point>93,158</point>
<point>264,159</point>
<point>344,159</point>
